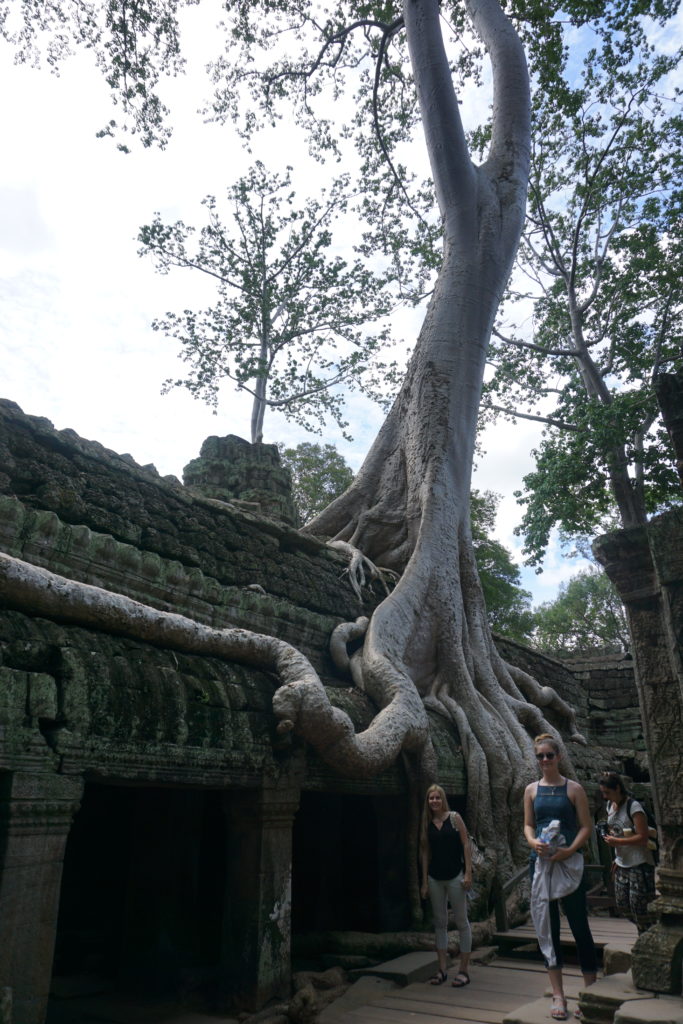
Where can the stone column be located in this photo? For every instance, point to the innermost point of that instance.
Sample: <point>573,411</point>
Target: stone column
<point>646,566</point>
<point>256,955</point>
<point>36,811</point>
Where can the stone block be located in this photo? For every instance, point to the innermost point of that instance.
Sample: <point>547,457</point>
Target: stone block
<point>42,696</point>
<point>406,969</point>
<point>361,992</point>
<point>600,1001</point>
<point>662,1010</point>
<point>616,959</point>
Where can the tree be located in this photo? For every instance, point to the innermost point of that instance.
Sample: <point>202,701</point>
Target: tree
<point>287,325</point>
<point>407,509</point>
<point>586,617</point>
<point>601,249</point>
<point>319,475</point>
<point>428,644</point>
<point>507,604</point>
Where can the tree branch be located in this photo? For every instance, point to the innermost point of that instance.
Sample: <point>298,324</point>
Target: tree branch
<point>529,416</point>
<point>534,347</point>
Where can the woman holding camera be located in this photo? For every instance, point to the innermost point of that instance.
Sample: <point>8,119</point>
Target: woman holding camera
<point>628,836</point>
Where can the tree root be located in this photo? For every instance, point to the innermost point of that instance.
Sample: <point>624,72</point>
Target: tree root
<point>547,697</point>
<point>357,567</point>
<point>300,703</point>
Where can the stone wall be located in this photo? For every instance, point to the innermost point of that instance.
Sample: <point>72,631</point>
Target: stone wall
<point>81,710</point>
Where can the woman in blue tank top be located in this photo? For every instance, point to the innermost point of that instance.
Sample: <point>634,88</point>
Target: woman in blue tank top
<point>556,797</point>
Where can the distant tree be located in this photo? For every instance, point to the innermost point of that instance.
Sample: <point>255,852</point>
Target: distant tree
<point>600,259</point>
<point>319,475</point>
<point>507,604</point>
<point>586,616</point>
<point>288,324</point>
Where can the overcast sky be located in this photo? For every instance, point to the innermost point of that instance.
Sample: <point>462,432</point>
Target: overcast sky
<point>77,302</point>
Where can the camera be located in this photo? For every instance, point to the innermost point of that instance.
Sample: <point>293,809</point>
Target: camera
<point>605,829</point>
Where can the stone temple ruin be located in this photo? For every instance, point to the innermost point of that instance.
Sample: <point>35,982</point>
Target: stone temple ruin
<point>155,829</point>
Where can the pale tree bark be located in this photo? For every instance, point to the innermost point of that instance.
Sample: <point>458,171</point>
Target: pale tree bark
<point>408,509</point>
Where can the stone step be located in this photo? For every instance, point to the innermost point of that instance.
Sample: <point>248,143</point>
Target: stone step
<point>611,1000</point>
<point>404,970</point>
<point>361,993</point>
<point>660,1010</point>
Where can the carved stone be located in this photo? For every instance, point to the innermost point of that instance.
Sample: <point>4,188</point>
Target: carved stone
<point>231,469</point>
<point>646,565</point>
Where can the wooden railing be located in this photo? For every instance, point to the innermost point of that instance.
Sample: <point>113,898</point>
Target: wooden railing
<point>501,894</point>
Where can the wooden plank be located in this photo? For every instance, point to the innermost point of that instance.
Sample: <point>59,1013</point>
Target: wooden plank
<point>531,966</point>
<point>376,1015</point>
<point>496,988</point>
<point>501,1001</point>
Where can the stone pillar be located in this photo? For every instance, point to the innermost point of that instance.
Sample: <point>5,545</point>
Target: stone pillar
<point>646,566</point>
<point>36,811</point>
<point>256,954</point>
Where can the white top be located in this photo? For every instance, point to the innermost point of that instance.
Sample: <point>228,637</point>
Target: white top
<point>629,856</point>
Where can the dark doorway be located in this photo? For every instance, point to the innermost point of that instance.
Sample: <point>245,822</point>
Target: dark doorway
<point>349,864</point>
<point>141,902</point>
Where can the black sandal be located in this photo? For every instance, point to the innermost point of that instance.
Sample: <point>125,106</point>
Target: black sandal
<point>438,978</point>
<point>457,980</point>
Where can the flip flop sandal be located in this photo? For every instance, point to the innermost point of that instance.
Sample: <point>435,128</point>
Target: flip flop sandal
<point>558,1008</point>
<point>458,981</point>
<point>438,978</point>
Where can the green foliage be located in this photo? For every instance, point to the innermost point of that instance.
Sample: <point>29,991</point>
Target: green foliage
<point>135,44</point>
<point>507,604</point>
<point>319,475</point>
<point>586,617</point>
<point>601,255</point>
<point>288,322</point>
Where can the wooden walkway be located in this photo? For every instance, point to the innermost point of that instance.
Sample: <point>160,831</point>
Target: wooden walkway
<point>496,988</point>
<point>605,929</point>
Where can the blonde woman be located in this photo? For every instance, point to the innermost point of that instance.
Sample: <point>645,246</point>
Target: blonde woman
<point>446,863</point>
<point>555,797</point>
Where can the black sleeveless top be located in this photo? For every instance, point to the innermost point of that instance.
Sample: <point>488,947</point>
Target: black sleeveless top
<point>446,856</point>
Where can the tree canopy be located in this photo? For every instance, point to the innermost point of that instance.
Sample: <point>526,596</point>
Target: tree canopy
<point>507,603</point>
<point>288,322</point>
<point>586,617</point>
<point>599,264</point>
<point>319,475</point>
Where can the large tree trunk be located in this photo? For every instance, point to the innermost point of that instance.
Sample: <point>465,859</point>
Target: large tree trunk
<point>408,508</point>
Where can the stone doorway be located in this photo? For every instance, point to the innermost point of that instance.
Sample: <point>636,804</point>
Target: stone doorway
<point>141,908</point>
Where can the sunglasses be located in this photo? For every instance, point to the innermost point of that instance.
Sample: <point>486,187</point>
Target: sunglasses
<point>549,756</point>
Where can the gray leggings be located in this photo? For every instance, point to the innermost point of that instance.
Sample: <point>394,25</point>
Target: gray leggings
<point>441,893</point>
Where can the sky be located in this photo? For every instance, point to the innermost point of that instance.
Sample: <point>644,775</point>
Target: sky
<point>76,343</point>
